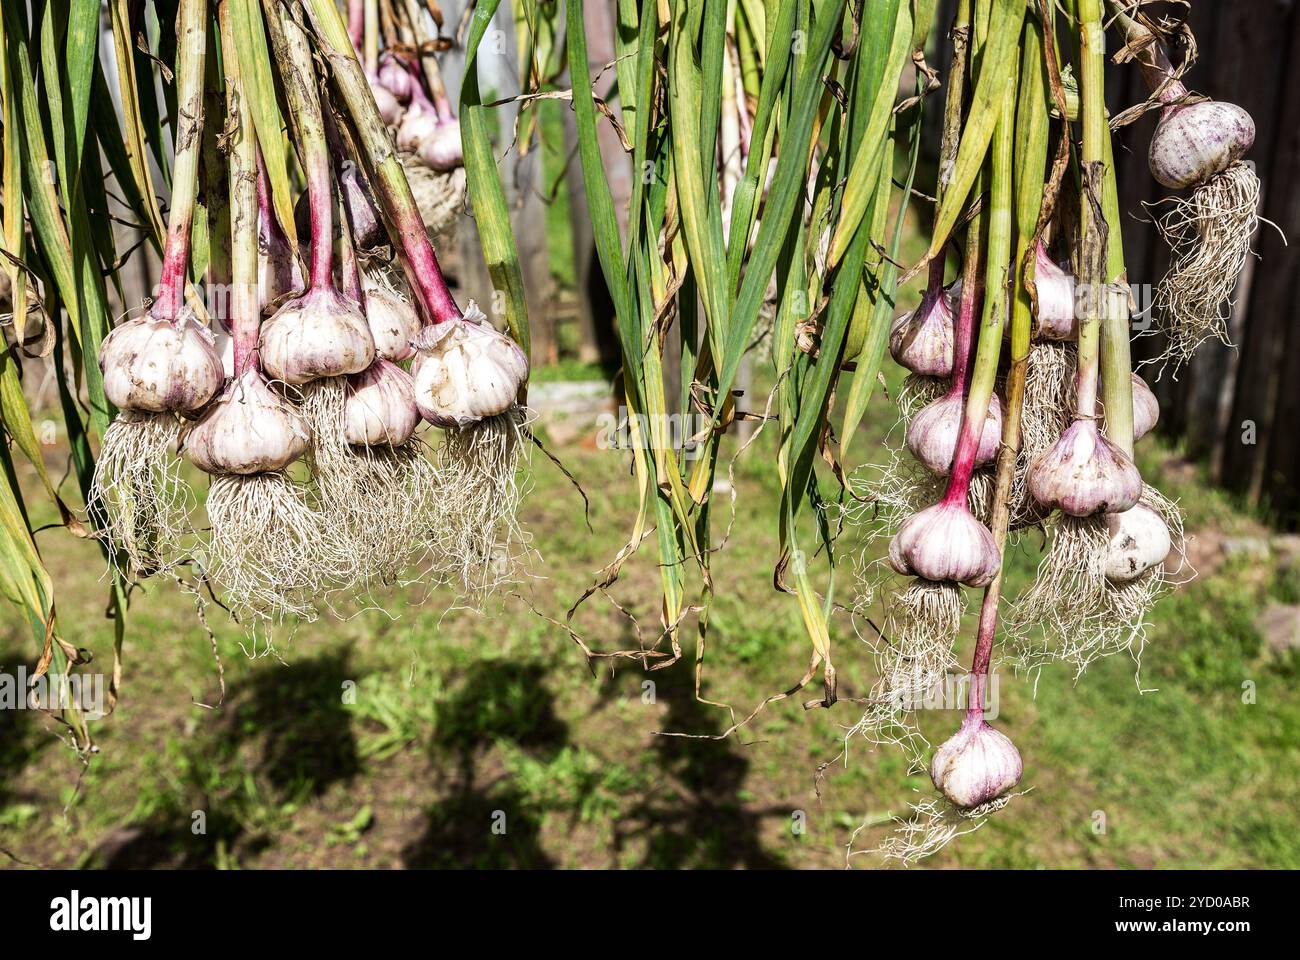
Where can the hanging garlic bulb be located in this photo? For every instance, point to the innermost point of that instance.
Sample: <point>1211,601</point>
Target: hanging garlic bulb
<point>363,217</point>
<point>392,319</point>
<point>396,79</point>
<point>389,108</point>
<point>1195,141</point>
<point>466,370</point>
<point>1139,540</point>
<point>380,406</point>
<point>160,366</point>
<point>320,334</point>
<point>441,148</point>
<point>250,429</point>
<point>1057,317</point>
<point>977,764</point>
<point>945,542</point>
<point>922,341</point>
<point>418,122</point>
<point>932,433</point>
<point>1146,408</point>
<point>1084,474</point>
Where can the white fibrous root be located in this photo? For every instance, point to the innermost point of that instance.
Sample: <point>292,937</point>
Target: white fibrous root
<point>440,196</point>
<point>478,541</point>
<point>1084,474</point>
<point>466,370</point>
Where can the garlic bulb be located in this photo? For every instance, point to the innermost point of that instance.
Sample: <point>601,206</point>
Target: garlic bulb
<point>380,406</point>
<point>417,123</point>
<point>250,429</point>
<point>160,366</point>
<point>1194,142</point>
<point>945,542</point>
<point>279,272</point>
<point>320,334</point>
<point>1057,318</point>
<point>976,764</point>
<point>921,340</point>
<point>933,432</point>
<point>363,216</point>
<point>1139,540</point>
<point>441,149</point>
<point>1146,408</point>
<point>392,319</point>
<point>389,109</point>
<point>394,78</point>
<point>466,370</point>
<point>1083,474</point>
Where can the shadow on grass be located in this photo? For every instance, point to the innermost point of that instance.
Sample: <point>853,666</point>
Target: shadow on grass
<point>283,738</point>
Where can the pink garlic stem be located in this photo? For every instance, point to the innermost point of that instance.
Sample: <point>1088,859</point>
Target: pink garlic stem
<point>972,430</point>
<point>357,22</point>
<point>1155,64</point>
<point>417,86</point>
<point>268,218</point>
<point>980,661</point>
<point>176,257</point>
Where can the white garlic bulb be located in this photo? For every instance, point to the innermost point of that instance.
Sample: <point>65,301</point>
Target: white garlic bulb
<point>933,433</point>
<point>1057,317</point>
<point>441,148</point>
<point>977,764</point>
<point>1146,408</point>
<point>160,366</point>
<point>922,341</point>
<point>417,123</point>
<point>1139,540</point>
<point>320,334</point>
<point>1084,474</point>
<point>250,429</point>
<point>466,370</point>
<point>380,406</point>
<point>392,319</point>
<point>1193,142</point>
<point>945,542</point>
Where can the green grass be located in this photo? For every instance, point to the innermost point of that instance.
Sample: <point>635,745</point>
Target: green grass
<point>463,739</point>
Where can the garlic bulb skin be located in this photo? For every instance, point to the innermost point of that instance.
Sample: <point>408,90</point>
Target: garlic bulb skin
<point>1084,474</point>
<point>160,366</point>
<point>1139,540</point>
<point>1057,317</point>
<point>441,149</point>
<point>976,764</point>
<point>380,406</point>
<point>933,433</point>
<point>250,429</point>
<point>320,334</point>
<point>394,78</point>
<point>417,123</point>
<point>392,319</point>
<point>389,108</point>
<point>945,542</point>
<point>921,340</point>
<point>1146,408</point>
<point>1194,142</point>
<point>466,370</point>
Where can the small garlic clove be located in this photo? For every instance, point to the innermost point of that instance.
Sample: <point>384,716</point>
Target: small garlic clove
<point>1194,142</point>
<point>380,406</point>
<point>250,429</point>
<point>466,370</point>
<point>160,366</point>
<point>933,433</point>
<point>922,341</point>
<point>1084,474</point>
<point>945,543</point>
<point>976,764</point>
<point>320,334</point>
<point>1139,540</point>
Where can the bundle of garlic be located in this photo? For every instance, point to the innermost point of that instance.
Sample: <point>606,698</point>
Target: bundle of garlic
<point>412,100</point>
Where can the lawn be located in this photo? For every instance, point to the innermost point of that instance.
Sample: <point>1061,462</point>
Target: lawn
<point>428,736</point>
